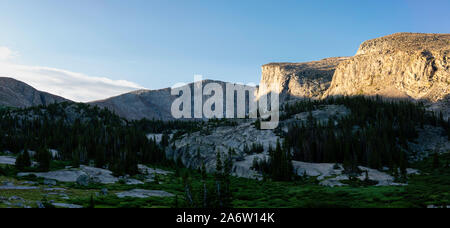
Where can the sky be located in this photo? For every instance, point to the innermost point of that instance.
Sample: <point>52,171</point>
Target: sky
<point>88,50</point>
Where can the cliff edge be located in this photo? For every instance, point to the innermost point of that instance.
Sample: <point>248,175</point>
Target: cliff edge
<point>299,80</point>
<point>402,65</point>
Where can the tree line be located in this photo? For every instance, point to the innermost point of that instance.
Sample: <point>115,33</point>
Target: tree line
<point>375,134</point>
<point>82,134</point>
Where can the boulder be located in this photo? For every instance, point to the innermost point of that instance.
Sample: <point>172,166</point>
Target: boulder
<point>147,170</point>
<point>14,187</point>
<point>96,175</point>
<point>66,205</point>
<point>15,198</point>
<point>83,180</point>
<point>141,193</point>
<point>7,183</point>
<point>49,182</point>
<point>7,160</point>
<point>60,175</point>
<point>133,182</point>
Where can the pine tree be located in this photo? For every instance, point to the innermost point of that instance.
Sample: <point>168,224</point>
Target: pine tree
<point>20,163</point>
<point>131,166</point>
<point>205,190</point>
<point>188,190</point>
<point>276,162</point>
<point>436,163</point>
<point>76,159</point>
<point>403,166</point>
<point>228,166</point>
<point>281,163</point>
<point>448,128</point>
<point>100,156</point>
<point>219,179</point>
<point>246,149</point>
<point>219,165</point>
<point>91,202</point>
<point>165,140</point>
<point>258,124</point>
<point>44,158</point>
<point>175,202</point>
<point>366,179</point>
<point>156,178</point>
<point>26,158</point>
<point>203,171</point>
<point>179,162</point>
<point>23,160</point>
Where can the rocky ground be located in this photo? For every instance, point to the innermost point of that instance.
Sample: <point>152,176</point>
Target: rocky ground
<point>196,148</point>
<point>322,115</point>
<point>203,146</point>
<point>333,174</point>
<point>431,140</point>
<point>62,188</point>
<point>57,186</point>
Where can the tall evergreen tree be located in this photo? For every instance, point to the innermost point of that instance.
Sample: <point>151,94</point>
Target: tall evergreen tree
<point>219,179</point>
<point>228,166</point>
<point>44,159</point>
<point>436,162</point>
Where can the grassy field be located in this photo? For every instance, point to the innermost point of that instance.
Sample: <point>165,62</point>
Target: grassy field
<point>431,187</point>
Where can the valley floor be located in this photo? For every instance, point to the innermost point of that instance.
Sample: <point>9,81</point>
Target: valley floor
<point>431,188</point>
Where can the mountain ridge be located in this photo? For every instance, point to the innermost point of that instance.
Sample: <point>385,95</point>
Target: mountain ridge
<point>149,104</point>
<point>412,66</point>
<point>15,93</point>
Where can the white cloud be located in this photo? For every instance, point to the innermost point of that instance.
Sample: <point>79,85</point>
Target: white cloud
<point>6,53</point>
<point>74,86</point>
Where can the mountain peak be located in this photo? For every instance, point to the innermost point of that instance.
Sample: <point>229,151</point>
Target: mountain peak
<point>409,42</point>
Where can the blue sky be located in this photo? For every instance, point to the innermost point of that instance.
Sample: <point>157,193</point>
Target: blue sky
<point>157,43</point>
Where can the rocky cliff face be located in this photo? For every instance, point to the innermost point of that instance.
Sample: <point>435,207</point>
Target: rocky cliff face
<point>17,94</point>
<point>298,80</point>
<point>203,146</point>
<point>403,65</point>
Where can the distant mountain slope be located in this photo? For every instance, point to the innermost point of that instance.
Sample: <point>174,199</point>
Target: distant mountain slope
<point>14,93</point>
<point>150,104</point>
